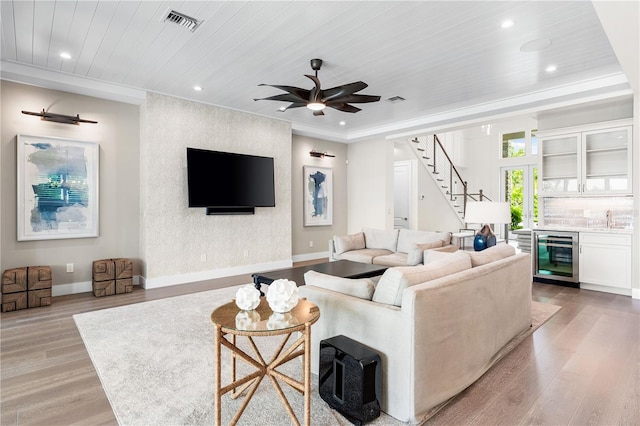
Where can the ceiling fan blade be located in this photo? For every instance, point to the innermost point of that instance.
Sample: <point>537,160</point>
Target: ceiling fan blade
<point>318,113</point>
<point>296,105</point>
<point>284,97</point>
<point>303,94</point>
<point>356,99</point>
<point>344,107</point>
<point>344,90</point>
<point>314,95</point>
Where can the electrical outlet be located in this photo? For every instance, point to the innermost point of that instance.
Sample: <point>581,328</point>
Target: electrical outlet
<point>246,253</point>
<point>311,243</point>
<point>203,257</point>
<point>69,267</point>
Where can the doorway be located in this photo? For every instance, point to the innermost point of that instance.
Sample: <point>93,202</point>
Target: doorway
<point>520,188</point>
<point>402,190</point>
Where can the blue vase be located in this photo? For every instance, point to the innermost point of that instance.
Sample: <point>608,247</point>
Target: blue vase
<point>479,243</point>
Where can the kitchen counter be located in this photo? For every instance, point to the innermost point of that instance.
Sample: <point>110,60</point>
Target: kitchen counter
<point>576,229</point>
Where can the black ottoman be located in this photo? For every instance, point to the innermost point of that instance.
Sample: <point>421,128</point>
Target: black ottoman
<point>350,379</point>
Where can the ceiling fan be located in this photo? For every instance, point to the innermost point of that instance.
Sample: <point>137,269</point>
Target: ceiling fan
<point>316,99</point>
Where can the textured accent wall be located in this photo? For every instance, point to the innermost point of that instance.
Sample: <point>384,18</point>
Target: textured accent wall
<point>179,241</point>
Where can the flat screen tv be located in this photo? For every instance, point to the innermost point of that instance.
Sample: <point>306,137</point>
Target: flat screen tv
<point>229,183</point>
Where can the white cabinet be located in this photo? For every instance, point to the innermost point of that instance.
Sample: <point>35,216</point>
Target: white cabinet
<point>605,260</point>
<point>591,160</point>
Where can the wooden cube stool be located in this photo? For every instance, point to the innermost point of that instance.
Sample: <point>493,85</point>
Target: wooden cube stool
<point>112,276</point>
<point>27,287</point>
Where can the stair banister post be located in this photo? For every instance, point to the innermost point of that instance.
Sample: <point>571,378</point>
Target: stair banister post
<point>464,208</point>
<point>480,197</point>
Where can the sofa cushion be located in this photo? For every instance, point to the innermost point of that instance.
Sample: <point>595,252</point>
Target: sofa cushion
<point>393,259</point>
<point>415,254</point>
<point>381,239</point>
<point>348,242</point>
<point>491,254</point>
<point>407,237</point>
<point>395,280</point>
<point>362,288</point>
<point>362,255</point>
<point>431,256</point>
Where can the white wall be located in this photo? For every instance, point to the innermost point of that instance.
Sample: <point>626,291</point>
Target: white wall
<point>370,185</point>
<point>433,210</point>
<point>181,244</point>
<point>117,134</point>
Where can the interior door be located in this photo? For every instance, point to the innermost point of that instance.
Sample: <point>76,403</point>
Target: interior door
<point>520,188</point>
<point>402,194</point>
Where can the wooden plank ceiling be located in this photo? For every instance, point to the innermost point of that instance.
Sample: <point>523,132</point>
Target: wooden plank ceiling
<point>440,56</point>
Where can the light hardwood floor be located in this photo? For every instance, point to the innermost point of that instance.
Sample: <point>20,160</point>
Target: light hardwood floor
<point>581,367</point>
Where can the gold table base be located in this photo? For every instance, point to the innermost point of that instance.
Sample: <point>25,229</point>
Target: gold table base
<point>253,380</point>
<point>263,322</point>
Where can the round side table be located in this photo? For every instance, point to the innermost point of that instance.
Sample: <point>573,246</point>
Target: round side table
<point>263,322</point>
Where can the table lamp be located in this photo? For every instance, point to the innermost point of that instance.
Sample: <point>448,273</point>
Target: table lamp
<point>489,212</point>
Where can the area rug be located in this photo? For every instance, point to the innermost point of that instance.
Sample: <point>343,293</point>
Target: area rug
<point>155,361</point>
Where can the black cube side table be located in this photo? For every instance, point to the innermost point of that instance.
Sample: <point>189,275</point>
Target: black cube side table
<point>350,379</point>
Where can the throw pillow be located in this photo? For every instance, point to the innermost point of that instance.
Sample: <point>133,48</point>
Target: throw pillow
<point>381,239</point>
<point>433,255</point>
<point>395,280</point>
<point>491,254</point>
<point>416,253</point>
<point>407,237</point>
<point>362,288</point>
<point>348,242</point>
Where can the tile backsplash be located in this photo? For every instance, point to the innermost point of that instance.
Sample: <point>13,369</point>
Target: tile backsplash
<point>593,213</point>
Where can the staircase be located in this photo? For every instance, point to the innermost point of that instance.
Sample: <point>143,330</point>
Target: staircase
<point>435,159</point>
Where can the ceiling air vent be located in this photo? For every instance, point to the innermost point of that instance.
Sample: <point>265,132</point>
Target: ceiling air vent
<point>182,20</point>
<point>396,99</point>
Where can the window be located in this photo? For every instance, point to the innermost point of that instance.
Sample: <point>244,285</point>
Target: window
<point>513,144</point>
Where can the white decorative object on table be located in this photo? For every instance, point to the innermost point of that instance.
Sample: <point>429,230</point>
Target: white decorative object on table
<point>282,295</point>
<point>247,320</point>
<point>247,297</point>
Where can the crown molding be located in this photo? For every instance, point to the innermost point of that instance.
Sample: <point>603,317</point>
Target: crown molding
<point>56,80</point>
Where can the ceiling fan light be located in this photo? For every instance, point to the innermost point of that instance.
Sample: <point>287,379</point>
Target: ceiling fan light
<point>316,106</point>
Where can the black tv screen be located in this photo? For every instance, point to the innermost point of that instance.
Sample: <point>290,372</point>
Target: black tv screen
<point>228,180</point>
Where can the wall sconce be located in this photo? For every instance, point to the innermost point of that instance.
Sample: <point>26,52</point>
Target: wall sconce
<point>317,154</point>
<point>59,118</point>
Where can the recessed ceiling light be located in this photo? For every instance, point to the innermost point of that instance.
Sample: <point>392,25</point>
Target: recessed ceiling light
<point>65,55</point>
<point>551,68</point>
<point>506,24</point>
<point>197,88</point>
<point>343,123</point>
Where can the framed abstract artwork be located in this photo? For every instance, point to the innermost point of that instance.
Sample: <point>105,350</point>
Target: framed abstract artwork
<point>57,188</point>
<point>318,196</point>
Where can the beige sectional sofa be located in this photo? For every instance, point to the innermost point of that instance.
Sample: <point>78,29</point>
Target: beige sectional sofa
<point>389,248</point>
<point>437,327</point>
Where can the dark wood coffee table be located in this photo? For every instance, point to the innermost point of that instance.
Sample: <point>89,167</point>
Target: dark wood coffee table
<point>339,268</point>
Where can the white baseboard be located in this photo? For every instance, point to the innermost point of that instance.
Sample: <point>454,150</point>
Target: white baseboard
<point>607,289</point>
<point>311,256</point>
<point>79,287</point>
<point>149,283</point>
<point>635,293</point>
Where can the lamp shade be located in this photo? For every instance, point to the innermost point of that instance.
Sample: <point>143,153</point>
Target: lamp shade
<point>488,212</point>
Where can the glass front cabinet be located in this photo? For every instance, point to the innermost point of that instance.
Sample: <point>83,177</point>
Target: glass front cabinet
<point>589,161</point>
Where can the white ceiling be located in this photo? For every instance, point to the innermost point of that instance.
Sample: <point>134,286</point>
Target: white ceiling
<point>450,60</point>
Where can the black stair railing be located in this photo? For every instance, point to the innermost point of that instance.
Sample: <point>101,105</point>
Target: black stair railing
<point>447,175</point>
